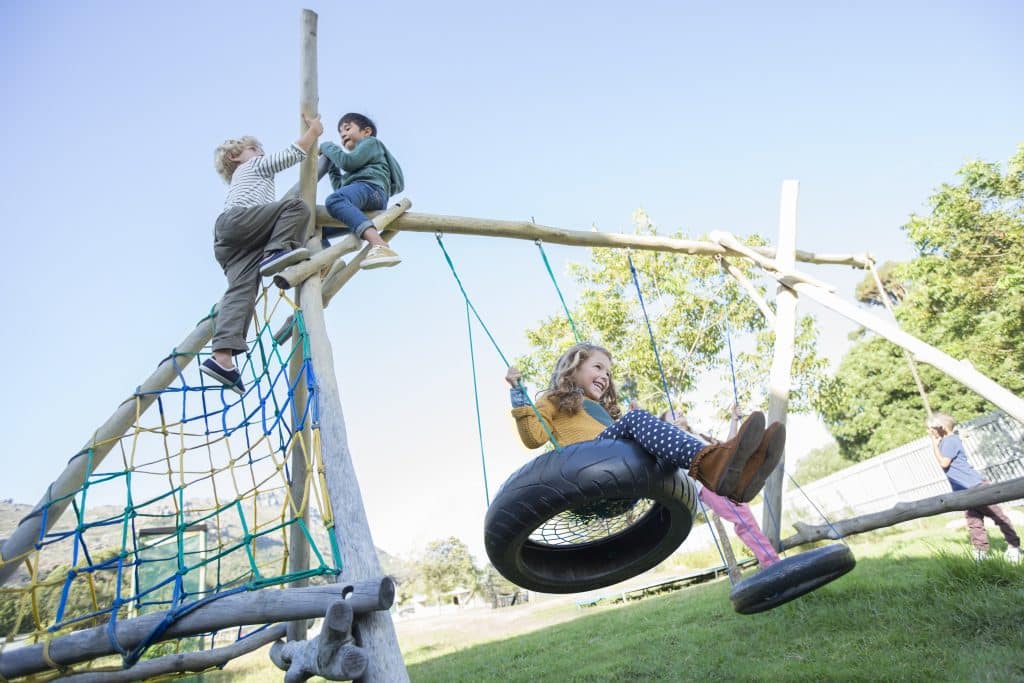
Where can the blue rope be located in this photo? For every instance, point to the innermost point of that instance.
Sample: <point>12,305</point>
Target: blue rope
<point>650,332</point>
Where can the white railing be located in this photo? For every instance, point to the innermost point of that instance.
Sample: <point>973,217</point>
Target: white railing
<point>994,443</point>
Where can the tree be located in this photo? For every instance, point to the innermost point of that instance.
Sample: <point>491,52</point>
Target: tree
<point>446,565</point>
<point>961,294</point>
<point>819,463</point>
<point>692,305</point>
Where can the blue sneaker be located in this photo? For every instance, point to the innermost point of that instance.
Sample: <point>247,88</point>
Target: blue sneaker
<point>276,261</point>
<point>231,379</point>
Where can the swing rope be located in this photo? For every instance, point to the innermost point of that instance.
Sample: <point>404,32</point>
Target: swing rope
<point>476,402</point>
<point>735,392</point>
<point>471,307</point>
<point>650,332</point>
<point>561,298</point>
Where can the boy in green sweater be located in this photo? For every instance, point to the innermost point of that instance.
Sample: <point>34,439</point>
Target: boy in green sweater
<point>363,175</point>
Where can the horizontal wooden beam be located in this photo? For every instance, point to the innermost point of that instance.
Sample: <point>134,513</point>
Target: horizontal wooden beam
<point>985,494</point>
<point>183,662</point>
<point>266,606</point>
<point>523,230</point>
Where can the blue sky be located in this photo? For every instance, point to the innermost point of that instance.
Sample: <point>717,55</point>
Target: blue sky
<point>574,114</point>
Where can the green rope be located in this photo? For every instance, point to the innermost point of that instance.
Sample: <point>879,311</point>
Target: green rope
<point>561,298</point>
<point>471,307</point>
<point>476,402</point>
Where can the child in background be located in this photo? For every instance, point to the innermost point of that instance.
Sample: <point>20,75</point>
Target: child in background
<point>254,235</point>
<point>581,404</point>
<point>949,452</point>
<point>371,175</point>
<point>738,513</point>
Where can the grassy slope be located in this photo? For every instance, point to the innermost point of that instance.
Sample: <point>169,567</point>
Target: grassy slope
<point>915,609</point>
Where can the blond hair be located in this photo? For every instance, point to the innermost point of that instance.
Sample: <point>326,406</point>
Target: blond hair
<point>222,160</point>
<point>942,420</point>
<point>564,393</point>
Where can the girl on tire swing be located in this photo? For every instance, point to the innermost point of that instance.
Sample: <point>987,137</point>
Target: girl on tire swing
<point>581,404</point>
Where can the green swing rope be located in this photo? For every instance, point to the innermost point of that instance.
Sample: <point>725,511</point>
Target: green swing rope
<point>476,314</point>
<point>561,298</point>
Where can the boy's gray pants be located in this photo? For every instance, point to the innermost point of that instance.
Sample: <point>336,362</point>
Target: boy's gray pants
<point>240,238</point>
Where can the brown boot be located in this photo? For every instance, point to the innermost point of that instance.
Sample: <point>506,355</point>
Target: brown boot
<point>719,466</point>
<point>762,463</point>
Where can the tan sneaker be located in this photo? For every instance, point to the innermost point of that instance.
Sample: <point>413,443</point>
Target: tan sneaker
<point>380,257</point>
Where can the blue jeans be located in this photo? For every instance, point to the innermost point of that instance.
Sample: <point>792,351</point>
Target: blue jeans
<point>347,204</point>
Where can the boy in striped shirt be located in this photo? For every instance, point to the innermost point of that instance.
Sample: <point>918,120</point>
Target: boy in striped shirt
<point>254,236</point>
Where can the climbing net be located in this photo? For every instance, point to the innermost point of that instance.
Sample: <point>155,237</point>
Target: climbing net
<point>194,502</point>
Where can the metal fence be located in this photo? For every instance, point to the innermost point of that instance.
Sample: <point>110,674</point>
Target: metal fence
<point>994,444</point>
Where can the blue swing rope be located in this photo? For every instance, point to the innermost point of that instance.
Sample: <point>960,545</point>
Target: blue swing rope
<point>668,397</point>
<point>735,393</point>
<point>476,402</point>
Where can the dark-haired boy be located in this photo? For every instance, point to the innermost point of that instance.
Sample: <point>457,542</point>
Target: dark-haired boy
<point>363,175</point>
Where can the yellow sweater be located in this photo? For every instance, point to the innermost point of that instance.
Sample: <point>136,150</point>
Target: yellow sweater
<point>585,425</point>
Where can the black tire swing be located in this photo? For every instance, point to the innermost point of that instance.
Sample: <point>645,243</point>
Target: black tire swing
<point>587,516</point>
<point>791,577</point>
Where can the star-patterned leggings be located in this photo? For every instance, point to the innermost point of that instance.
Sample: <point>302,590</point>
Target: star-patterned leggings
<point>661,439</point>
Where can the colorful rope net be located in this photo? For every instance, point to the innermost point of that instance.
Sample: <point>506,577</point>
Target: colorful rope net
<point>193,503</point>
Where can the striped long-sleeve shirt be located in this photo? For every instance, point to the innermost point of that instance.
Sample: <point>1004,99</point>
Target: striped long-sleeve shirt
<point>252,183</point>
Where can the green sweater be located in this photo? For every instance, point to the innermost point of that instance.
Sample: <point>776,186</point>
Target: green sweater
<point>370,162</point>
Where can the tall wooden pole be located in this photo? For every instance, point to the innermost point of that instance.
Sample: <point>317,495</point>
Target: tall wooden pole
<point>352,529</point>
<point>782,363</point>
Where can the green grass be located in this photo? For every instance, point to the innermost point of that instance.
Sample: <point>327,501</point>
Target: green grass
<point>916,608</point>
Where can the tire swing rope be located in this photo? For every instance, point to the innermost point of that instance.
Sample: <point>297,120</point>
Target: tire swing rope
<point>792,576</point>
<point>569,482</point>
<point>668,395</point>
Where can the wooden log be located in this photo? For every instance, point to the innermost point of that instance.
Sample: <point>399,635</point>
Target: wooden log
<point>294,275</point>
<point>182,662</point>
<point>751,290</point>
<point>333,654</point>
<point>723,537</point>
<point>781,266</point>
<point>60,493</point>
<point>524,230</point>
<point>985,494</point>
<point>351,528</point>
<point>239,609</point>
<point>299,488</point>
<point>962,371</point>
<point>780,375</point>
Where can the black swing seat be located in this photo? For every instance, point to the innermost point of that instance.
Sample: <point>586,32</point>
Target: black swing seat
<point>791,577</point>
<point>588,516</point>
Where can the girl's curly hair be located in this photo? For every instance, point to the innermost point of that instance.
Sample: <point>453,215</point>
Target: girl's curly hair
<point>564,393</point>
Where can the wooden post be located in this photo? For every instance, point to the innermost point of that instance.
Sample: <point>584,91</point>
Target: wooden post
<point>302,449</point>
<point>782,363</point>
<point>723,537</point>
<point>961,371</point>
<point>352,529</point>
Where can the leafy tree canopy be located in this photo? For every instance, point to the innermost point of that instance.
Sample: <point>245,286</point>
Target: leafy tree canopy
<point>446,565</point>
<point>691,305</point>
<point>961,294</point>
